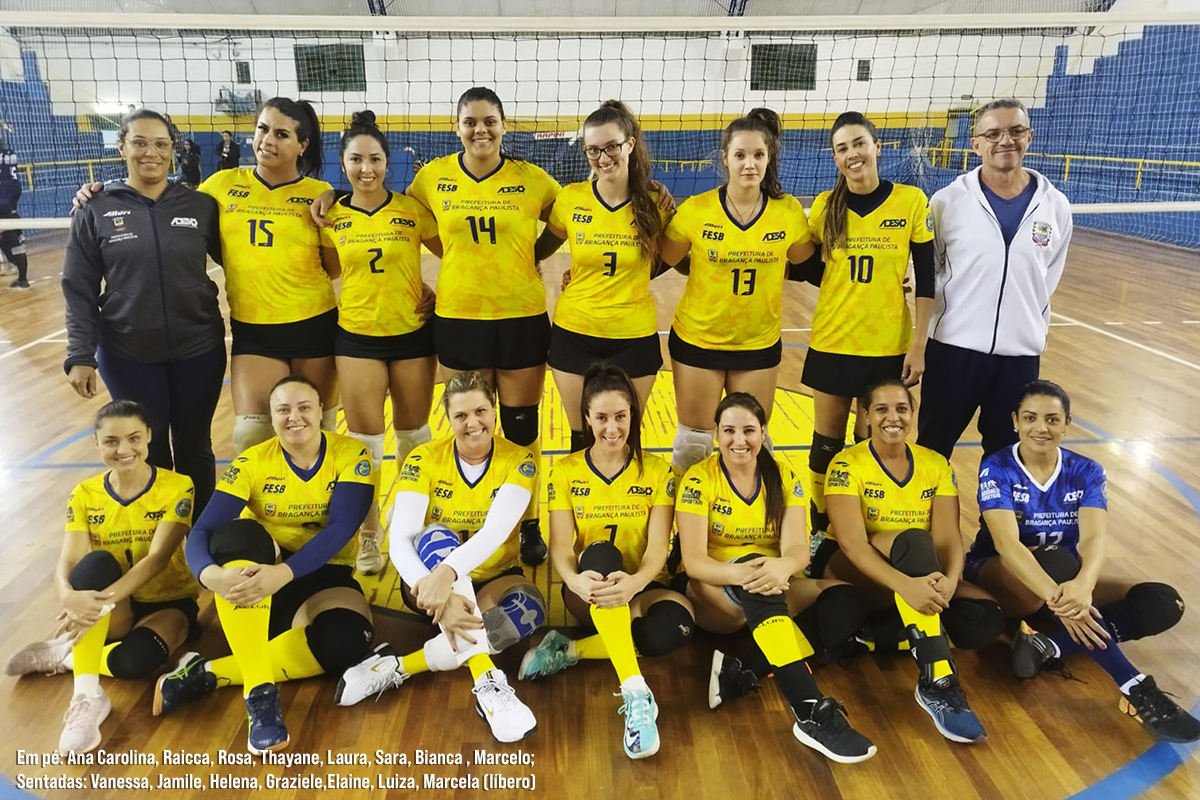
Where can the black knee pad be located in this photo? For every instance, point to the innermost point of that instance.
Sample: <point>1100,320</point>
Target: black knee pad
<point>839,612</point>
<point>913,553</point>
<point>95,572</point>
<point>520,424</point>
<point>242,540</point>
<point>666,626</point>
<point>339,638</point>
<point>972,623</point>
<point>139,655</point>
<point>1148,609</point>
<point>602,557</point>
<point>823,449</point>
<point>1058,562</point>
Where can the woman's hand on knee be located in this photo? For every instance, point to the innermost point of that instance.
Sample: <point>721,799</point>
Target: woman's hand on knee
<point>618,589</point>
<point>770,576</point>
<point>458,621</point>
<point>258,582</point>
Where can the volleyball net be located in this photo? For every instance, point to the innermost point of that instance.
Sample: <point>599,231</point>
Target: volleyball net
<point>1114,99</point>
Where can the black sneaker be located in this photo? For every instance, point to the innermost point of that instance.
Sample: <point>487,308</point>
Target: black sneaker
<point>19,283</point>
<point>827,731</point>
<point>729,680</point>
<point>189,681</point>
<point>266,728</point>
<point>1161,715</point>
<point>1033,653</point>
<point>533,547</point>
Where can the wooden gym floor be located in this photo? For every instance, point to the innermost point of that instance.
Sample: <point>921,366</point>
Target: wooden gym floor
<point>1125,344</point>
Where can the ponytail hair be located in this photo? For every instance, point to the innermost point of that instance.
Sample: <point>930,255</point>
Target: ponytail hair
<point>766,122</point>
<point>604,377</point>
<point>646,218</point>
<point>362,123</point>
<point>769,476</point>
<point>833,235</point>
<point>488,96</point>
<point>141,113</point>
<point>308,129</point>
<point>123,409</point>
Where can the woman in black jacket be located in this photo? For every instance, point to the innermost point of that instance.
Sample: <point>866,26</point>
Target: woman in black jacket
<point>154,328</point>
<point>189,163</point>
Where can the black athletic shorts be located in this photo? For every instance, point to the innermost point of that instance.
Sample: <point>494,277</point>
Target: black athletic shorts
<point>821,549</point>
<point>724,360</point>
<point>308,338</point>
<point>847,376</point>
<point>416,344</point>
<point>517,343</point>
<point>574,352</point>
<point>187,605</point>
<point>410,601</point>
<point>287,601</point>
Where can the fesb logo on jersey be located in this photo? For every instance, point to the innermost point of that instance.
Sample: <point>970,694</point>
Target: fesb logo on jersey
<point>438,491</point>
<point>343,225</point>
<point>722,508</point>
<point>581,218</point>
<point>447,187</point>
<point>894,223</point>
<point>716,236</point>
<point>272,488</point>
<point>238,193</point>
<point>774,236</point>
<point>511,190</point>
<point>580,491</point>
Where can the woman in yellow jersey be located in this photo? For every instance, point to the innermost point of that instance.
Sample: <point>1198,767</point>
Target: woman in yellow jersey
<point>611,510</point>
<point>491,312</point>
<point>894,510</point>
<point>121,576</point>
<point>741,527</point>
<point>384,342</point>
<point>282,575</point>
<point>862,330</point>
<point>614,225</point>
<point>458,504</point>
<point>741,236</point>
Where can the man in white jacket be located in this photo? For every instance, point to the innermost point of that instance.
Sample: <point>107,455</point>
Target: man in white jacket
<point>1001,235</point>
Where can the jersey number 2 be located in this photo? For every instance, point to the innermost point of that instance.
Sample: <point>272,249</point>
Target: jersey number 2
<point>378,254</point>
<point>260,233</point>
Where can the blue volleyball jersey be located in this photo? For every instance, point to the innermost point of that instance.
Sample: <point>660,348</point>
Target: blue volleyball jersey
<point>1046,514</point>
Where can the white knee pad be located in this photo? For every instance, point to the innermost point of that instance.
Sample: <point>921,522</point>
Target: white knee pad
<point>329,420</point>
<point>374,444</point>
<point>406,441</point>
<point>251,429</point>
<point>691,446</point>
<point>439,656</point>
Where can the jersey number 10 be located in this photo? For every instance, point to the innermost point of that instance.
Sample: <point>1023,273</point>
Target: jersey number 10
<point>861,269</point>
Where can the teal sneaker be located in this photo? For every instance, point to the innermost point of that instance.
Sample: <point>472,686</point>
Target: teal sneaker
<point>554,654</point>
<point>641,729</point>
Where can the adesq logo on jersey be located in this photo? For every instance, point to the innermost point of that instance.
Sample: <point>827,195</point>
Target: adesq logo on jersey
<point>894,223</point>
<point>774,236</point>
<point>511,190</point>
<point>408,223</point>
<point>645,491</point>
<point>184,222</point>
<point>304,200</point>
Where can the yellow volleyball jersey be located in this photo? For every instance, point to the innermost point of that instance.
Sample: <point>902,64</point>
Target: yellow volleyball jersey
<point>432,469</point>
<point>733,299</point>
<point>271,248</point>
<point>890,502</point>
<point>861,309</point>
<point>293,504</point>
<point>736,525</point>
<point>609,293</point>
<point>380,254</point>
<point>488,226</point>
<point>616,510</point>
<point>126,528</point>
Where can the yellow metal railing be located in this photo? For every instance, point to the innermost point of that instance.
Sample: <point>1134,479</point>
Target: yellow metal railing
<point>941,155</point>
<point>90,162</point>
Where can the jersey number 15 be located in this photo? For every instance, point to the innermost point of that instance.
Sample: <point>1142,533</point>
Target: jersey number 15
<point>260,233</point>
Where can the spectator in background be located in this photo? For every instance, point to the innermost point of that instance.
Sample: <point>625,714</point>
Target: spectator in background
<point>230,155</point>
<point>189,163</point>
<point>12,241</point>
<point>1005,230</point>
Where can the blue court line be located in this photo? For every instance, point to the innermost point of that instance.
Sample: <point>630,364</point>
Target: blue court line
<point>37,458</point>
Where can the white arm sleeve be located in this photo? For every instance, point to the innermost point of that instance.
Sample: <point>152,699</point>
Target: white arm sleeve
<point>504,515</point>
<point>408,514</point>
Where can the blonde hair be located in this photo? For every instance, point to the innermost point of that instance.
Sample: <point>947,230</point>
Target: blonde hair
<point>470,381</point>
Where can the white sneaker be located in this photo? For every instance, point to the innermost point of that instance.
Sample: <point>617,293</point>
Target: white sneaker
<point>374,675</point>
<point>81,731</point>
<point>509,718</point>
<point>370,558</point>
<point>49,658</point>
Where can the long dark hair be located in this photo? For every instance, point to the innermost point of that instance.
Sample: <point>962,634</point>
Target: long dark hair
<point>766,122</point>
<point>488,96</point>
<point>646,218</point>
<point>768,470</point>
<point>604,377</point>
<point>308,129</point>
<point>833,234</point>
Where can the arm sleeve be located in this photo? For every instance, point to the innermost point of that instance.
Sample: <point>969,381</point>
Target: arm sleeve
<point>502,518</point>
<point>222,507</point>
<point>811,270</point>
<point>83,269</point>
<point>213,234</point>
<point>348,506</point>
<point>546,245</point>
<point>923,269</point>
<point>408,514</point>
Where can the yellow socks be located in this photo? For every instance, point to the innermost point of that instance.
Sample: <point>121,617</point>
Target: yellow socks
<point>288,656</point>
<point>781,641</point>
<point>614,629</point>
<point>246,631</point>
<point>928,624</point>
<point>479,664</point>
<point>87,657</point>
